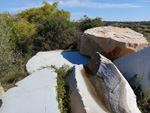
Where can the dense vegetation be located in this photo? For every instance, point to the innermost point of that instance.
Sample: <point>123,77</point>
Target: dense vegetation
<point>143,99</point>
<point>63,88</point>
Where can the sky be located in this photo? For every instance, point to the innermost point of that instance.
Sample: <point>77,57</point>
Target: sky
<point>108,10</point>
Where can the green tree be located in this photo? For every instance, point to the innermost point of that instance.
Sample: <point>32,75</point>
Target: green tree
<point>23,34</point>
<point>52,28</point>
<point>87,23</point>
<point>35,14</point>
<point>56,33</point>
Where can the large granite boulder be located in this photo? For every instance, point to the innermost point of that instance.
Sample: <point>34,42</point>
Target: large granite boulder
<point>136,64</point>
<point>111,87</point>
<point>83,97</point>
<point>112,42</point>
<point>34,94</point>
<point>1,90</point>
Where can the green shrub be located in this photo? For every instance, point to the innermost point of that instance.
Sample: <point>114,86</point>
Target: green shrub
<point>15,72</point>
<point>34,15</point>
<point>12,62</point>
<point>143,99</point>
<point>50,28</point>
<point>62,88</point>
<point>6,49</point>
<point>56,33</point>
<point>23,34</point>
<point>87,23</point>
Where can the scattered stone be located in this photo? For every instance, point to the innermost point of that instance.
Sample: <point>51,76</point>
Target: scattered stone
<point>111,87</point>
<point>112,42</point>
<point>136,64</point>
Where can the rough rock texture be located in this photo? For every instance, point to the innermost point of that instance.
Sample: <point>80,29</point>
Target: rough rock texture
<point>137,63</point>
<point>83,98</point>
<point>112,42</point>
<point>111,87</point>
<point>1,90</point>
<point>57,58</point>
<point>88,94</point>
<point>34,94</point>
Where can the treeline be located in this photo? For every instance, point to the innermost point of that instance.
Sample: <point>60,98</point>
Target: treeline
<point>37,29</point>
